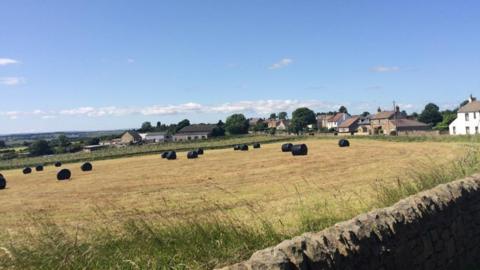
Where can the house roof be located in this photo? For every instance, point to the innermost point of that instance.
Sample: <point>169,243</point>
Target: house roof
<point>409,123</point>
<point>136,136</point>
<point>349,122</point>
<point>155,133</point>
<point>200,128</point>
<point>337,117</point>
<point>384,115</point>
<point>473,106</point>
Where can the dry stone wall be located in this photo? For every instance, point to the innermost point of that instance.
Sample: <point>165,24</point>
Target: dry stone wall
<point>436,229</point>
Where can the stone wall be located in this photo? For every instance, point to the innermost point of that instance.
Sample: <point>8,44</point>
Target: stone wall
<point>435,229</point>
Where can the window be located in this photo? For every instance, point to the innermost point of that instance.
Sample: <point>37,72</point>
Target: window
<point>468,130</point>
<point>454,130</point>
<point>467,116</point>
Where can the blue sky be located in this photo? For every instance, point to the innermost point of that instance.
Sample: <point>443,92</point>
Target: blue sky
<point>88,65</point>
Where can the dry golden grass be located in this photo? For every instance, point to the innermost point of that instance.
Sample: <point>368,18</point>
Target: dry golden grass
<point>262,180</point>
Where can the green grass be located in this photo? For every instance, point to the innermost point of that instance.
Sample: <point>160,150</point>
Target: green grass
<point>138,150</point>
<point>205,241</point>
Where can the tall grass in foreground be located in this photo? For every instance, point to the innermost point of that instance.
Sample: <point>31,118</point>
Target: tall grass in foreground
<point>203,242</point>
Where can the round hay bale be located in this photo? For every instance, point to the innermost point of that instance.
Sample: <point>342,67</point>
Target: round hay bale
<point>39,168</point>
<point>236,147</point>
<point>287,147</point>
<point>243,147</point>
<point>64,174</point>
<point>86,167</point>
<point>192,155</point>
<point>58,164</point>
<point>164,154</point>
<point>3,182</point>
<point>171,155</point>
<point>300,150</point>
<point>199,151</point>
<point>256,145</point>
<point>27,170</point>
<point>343,143</point>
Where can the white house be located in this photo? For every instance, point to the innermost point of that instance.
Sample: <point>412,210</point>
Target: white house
<point>155,137</point>
<point>336,120</point>
<point>468,119</point>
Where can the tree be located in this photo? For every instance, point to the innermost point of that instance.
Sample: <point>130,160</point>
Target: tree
<point>182,124</point>
<point>236,124</point>
<point>146,127</point>
<point>282,116</point>
<point>63,141</point>
<point>219,130</point>
<point>448,118</point>
<point>343,109</point>
<point>40,148</point>
<point>260,126</point>
<point>431,114</point>
<point>365,114</point>
<point>159,125</point>
<point>3,144</point>
<point>301,118</point>
<point>273,116</point>
<point>93,141</point>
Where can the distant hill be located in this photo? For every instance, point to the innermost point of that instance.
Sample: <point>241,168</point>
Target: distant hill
<point>20,138</point>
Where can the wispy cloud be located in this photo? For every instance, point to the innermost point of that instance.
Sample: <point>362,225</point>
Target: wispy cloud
<point>281,64</point>
<point>384,69</point>
<point>130,60</point>
<point>8,61</point>
<point>11,81</point>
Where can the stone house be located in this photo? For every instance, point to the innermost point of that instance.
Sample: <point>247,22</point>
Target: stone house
<point>194,132</point>
<point>130,137</point>
<point>349,126</point>
<point>395,123</point>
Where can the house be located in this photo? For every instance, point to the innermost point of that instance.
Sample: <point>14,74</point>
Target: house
<point>194,132</point>
<point>336,120</point>
<point>395,123</point>
<point>349,126</point>
<point>468,119</point>
<point>364,127</point>
<point>156,137</point>
<point>255,121</point>
<point>322,120</point>
<point>280,125</point>
<point>130,137</point>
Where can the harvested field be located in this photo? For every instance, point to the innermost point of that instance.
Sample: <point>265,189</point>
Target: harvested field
<point>266,181</point>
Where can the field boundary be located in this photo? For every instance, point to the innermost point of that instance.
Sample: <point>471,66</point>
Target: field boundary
<point>435,229</point>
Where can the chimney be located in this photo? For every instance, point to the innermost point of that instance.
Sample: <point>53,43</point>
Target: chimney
<point>471,99</point>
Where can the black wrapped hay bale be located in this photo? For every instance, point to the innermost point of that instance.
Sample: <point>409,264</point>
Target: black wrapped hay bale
<point>171,155</point>
<point>58,164</point>
<point>256,145</point>
<point>236,147</point>
<point>64,174</point>
<point>3,182</point>
<point>39,168</point>
<point>192,155</point>
<point>199,151</point>
<point>243,147</point>
<point>86,167</point>
<point>343,143</point>
<point>164,154</point>
<point>27,170</point>
<point>300,150</point>
<point>287,147</point>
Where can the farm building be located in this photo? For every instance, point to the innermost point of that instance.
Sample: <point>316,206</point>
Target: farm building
<point>156,137</point>
<point>131,137</point>
<point>194,132</point>
<point>468,119</point>
<point>92,148</point>
<point>364,127</point>
<point>322,120</point>
<point>336,120</point>
<point>349,126</point>
<point>281,125</point>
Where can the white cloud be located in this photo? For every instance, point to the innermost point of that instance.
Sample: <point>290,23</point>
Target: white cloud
<point>384,69</point>
<point>8,61</point>
<point>11,81</point>
<point>281,64</point>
